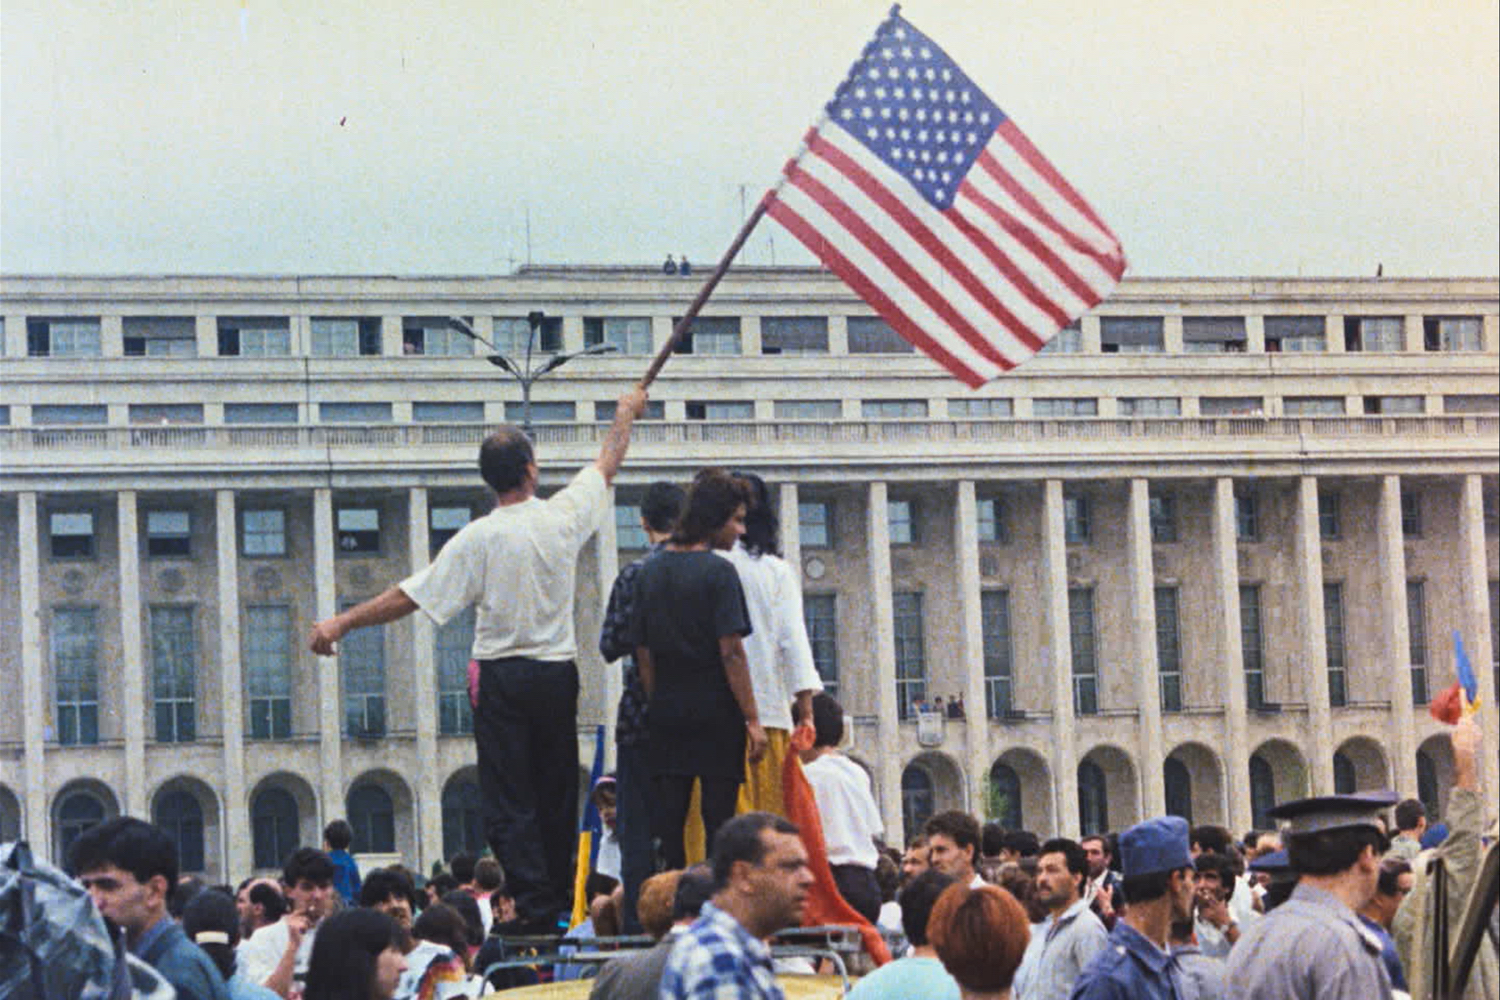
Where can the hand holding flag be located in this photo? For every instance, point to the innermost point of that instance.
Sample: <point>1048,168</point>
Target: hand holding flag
<point>1462,698</point>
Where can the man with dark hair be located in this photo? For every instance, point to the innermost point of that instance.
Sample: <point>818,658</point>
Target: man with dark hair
<point>846,807</point>
<point>277,955</point>
<point>915,860</point>
<point>1018,844</point>
<point>129,867</point>
<point>337,836</point>
<point>390,892</point>
<point>688,623</point>
<point>1073,935</point>
<point>1215,926</point>
<point>1411,823</point>
<point>516,566</point>
<point>1158,881</point>
<point>953,846</point>
<point>1391,888</point>
<point>1314,945</point>
<point>1210,838</point>
<point>761,881</point>
<point>1101,888</point>
<point>260,902</point>
<point>920,973</point>
<point>462,867</point>
<point>660,508</point>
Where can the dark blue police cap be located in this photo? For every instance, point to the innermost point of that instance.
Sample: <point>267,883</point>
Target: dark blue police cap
<point>1334,812</point>
<point>1157,845</point>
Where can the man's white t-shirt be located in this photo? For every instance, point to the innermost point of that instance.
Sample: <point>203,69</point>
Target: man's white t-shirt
<point>851,820</point>
<point>777,650</point>
<point>517,566</point>
<point>258,955</point>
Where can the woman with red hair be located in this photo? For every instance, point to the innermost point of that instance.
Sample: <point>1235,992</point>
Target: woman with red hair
<point>980,935</point>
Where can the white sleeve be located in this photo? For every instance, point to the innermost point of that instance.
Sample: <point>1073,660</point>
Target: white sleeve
<point>581,504</point>
<point>795,651</point>
<point>259,954</point>
<point>451,582</point>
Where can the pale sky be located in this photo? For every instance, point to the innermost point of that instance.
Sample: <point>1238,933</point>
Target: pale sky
<point>1237,137</point>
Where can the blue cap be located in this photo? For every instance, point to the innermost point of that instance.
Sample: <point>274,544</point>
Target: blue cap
<point>1334,812</point>
<point>1157,845</point>
<point>1273,863</point>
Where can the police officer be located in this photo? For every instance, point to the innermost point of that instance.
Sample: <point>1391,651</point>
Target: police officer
<point>1158,884</point>
<point>1313,947</point>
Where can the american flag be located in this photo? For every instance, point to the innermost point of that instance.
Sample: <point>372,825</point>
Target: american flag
<point>926,199</point>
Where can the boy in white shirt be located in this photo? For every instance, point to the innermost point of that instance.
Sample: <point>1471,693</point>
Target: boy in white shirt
<point>846,806</point>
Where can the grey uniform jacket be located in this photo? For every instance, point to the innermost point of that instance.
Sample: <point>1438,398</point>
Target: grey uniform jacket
<point>1312,947</point>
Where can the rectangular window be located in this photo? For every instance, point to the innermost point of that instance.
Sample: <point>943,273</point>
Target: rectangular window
<point>815,525</point>
<point>1231,406</point>
<point>1453,333</point>
<point>629,334</point>
<point>75,673</point>
<point>994,618</point>
<point>1082,642</point>
<point>512,333</point>
<point>434,336</point>
<point>721,409</point>
<point>444,522</point>
<point>714,335</point>
<point>819,611</point>
<point>255,337</point>
<point>268,670</point>
<point>1213,334</point>
<point>454,644</point>
<point>1068,340</point>
<point>1411,514</point>
<point>71,534</point>
<point>1395,405</point>
<point>169,534</point>
<point>1330,525</point>
<point>1471,403</point>
<point>911,663</point>
<point>1162,512</point>
<point>1246,518</point>
<point>1131,335</point>
<point>991,511</point>
<point>1296,334</point>
<point>362,667</point>
<point>358,530</point>
<point>166,414</point>
<point>1252,650</point>
<point>1372,333</point>
<point>1150,406</point>
<point>1313,406</point>
<point>892,409</point>
<point>630,536</point>
<point>73,337</point>
<point>160,337</point>
<point>980,409</point>
<point>1076,527</point>
<point>1416,631</point>
<point>1168,649</point>
<point>263,532</point>
<point>1046,409</point>
<point>174,667</point>
<point>1333,640</point>
<point>809,409</point>
<point>4,413</point>
<point>901,518</point>
<point>354,413</point>
<point>604,411</point>
<point>794,335</point>
<point>448,413</point>
<point>872,335</point>
<point>542,412</point>
<point>260,413</point>
<point>345,337</point>
<point>69,415</point>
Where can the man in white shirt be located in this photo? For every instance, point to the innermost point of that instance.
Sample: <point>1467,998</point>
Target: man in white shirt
<point>846,806</point>
<point>276,956</point>
<point>516,567</point>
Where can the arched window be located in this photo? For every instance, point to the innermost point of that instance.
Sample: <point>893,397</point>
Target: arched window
<point>1427,782</point>
<point>1093,801</point>
<point>374,819</point>
<point>1344,780</point>
<point>179,814</point>
<point>1005,796</point>
<point>1179,788</point>
<point>1262,793</point>
<point>463,824</point>
<point>75,814</point>
<point>916,799</point>
<point>273,823</point>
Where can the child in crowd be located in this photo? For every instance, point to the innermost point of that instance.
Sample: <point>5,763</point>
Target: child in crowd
<point>337,836</point>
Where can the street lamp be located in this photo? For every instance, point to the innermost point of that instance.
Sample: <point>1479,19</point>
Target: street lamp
<point>524,374</point>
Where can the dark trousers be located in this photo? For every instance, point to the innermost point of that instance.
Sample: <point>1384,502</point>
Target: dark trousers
<point>857,885</point>
<point>526,732</point>
<point>672,794</point>
<point>633,825</point>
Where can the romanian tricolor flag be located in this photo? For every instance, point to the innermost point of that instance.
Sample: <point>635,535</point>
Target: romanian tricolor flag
<point>1462,698</point>
<point>590,829</point>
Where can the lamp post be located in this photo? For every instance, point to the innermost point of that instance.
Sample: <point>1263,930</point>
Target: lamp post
<point>525,374</point>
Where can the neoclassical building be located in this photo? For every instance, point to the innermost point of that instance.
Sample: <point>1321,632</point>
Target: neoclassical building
<point>1206,552</point>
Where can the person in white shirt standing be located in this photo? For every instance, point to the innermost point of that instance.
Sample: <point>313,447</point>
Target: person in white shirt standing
<point>517,566</point>
<point>846,806</point>
<point>777,650</point>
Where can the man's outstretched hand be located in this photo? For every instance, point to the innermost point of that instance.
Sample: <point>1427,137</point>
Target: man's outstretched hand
<point>325,637</point>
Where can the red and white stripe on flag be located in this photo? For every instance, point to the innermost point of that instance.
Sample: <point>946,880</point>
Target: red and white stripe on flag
<point>974,249</point>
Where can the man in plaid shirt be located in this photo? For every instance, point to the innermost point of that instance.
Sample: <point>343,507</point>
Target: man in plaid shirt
<point>659,511</point>
<point>761,880</point>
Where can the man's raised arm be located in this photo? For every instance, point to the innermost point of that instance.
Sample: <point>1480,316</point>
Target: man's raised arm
<point>386,607</point>
<point>612,453</point>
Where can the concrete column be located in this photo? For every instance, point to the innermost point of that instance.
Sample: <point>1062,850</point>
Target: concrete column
<point>1171,334</point>
<point>1091,334</point>
<point>1473,576</point>
<point>838,335</point>
<point>1395,635</point>
<point>1489,336</point>
<point>1311,627</point>
<point>428,787</point>
<point>1142,606</point>
<point>790,516</point>
<point>132,691</point>
<point>330,698</point>
<point>206,333</point>
<point>390,336</point>
<point>235,803</point>
<point>1333,333</point>
<point>1411,333</point>
<point>607,558</point>
<point>13,344</point>
<point>112,336</point>
<point>750,342</point>
<point>572,333</point>
<point>887,727</point>
<point>1255,334</point>
<point>1058,643</point>
<point>36,825</point>
<point>971,643</point>
<point>1226,584</point>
